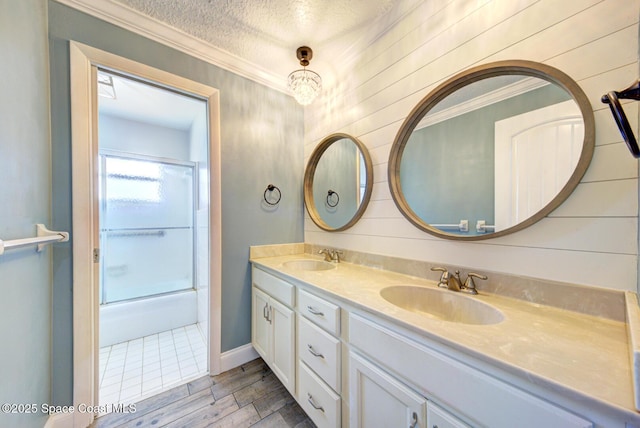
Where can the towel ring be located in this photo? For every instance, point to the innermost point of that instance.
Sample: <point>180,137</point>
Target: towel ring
<point>330,193</point>
<point>271,188</point>
<point>611,98</point>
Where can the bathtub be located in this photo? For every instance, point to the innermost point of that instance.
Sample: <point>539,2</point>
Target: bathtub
<point>123,321</point>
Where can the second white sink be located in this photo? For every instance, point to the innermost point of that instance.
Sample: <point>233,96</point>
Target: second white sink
<point>441,304</point>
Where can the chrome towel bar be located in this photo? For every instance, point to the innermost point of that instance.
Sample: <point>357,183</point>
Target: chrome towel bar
<point>43,237</point>
<point>463,226</point>
<point>483,227</point>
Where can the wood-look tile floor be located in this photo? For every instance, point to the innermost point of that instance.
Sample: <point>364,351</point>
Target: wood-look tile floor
<point>247,396</point>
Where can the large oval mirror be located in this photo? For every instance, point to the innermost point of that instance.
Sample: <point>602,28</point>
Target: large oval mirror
<point>338,182</point>
<point>491,150</point>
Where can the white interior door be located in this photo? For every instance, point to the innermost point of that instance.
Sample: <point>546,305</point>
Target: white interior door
<point>535,154</point>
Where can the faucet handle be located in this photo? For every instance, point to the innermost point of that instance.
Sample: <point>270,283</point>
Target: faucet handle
<point>470,285</point>
<point>444,278</point>
<point>336,256</point>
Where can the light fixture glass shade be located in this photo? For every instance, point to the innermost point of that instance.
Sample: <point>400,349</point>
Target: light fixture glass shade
<point>305,85</point>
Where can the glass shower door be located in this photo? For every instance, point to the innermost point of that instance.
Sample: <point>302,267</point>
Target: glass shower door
<point>147,227</point>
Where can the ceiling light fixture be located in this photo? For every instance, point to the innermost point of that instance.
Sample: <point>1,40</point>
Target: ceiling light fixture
<point>305,84</point>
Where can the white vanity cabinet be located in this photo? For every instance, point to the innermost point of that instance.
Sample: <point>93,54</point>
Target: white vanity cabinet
<point>351,360</point>
<point>379,400</point>
<point>319,359</point>
<point>480,399</point>
<point>440,418</point>
<point>273,325</point>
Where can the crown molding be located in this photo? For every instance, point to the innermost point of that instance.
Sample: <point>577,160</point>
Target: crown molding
<point>501,94</point>
<point>131,20</point>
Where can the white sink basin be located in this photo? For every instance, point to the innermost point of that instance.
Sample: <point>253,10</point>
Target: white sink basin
<point>309,265</point>
<point>441,304</point>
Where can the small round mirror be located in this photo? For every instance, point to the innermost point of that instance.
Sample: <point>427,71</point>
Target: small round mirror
<point>492,150</point>
<point>338,182</point>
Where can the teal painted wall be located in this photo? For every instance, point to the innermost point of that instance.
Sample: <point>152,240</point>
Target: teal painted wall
<point>261,143</point>
<point>25,188</point>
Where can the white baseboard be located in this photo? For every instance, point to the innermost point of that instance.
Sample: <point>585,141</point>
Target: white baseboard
<point>237,357</point>
<point>60,420</point>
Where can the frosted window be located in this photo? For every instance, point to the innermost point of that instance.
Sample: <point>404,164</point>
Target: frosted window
<point>132,180</point>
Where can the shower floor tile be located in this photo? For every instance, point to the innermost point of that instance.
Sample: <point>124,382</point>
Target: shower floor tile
<point>133,370</point>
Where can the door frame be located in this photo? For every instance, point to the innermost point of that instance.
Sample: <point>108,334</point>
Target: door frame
<point>84,61</point>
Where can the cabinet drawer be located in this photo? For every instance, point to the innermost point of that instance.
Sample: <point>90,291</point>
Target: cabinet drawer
<point>321,312</point>
<point>320,351</point>
<point>319,402</point>
<point>430,370</point>
<point>273,286</point>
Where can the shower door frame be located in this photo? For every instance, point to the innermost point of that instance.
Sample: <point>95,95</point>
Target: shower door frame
<point>102,155</point>
<point>84,62</point>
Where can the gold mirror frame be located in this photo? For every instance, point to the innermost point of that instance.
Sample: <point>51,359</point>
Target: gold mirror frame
<point>513,67</point>
<point>311,169</point>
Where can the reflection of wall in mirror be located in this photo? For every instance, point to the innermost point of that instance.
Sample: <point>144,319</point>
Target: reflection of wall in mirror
<point>338,170</point>
<point>447,169</point>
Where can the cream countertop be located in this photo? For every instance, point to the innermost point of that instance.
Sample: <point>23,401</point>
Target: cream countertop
<point>570,352</point>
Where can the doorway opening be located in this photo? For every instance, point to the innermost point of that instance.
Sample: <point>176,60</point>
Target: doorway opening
<point>153,211</point>
<point>146,221</point>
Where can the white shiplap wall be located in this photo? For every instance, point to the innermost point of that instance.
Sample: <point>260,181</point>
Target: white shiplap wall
<point>591,239</point>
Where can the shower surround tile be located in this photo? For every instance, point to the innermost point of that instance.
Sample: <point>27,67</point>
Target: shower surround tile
<point>133,370</point>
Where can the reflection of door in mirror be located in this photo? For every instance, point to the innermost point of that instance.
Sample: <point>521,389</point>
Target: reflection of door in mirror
<point>535,154</point>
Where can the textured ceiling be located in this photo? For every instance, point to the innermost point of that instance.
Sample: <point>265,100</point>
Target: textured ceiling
<point>246,27</point>
<point>265,33</point>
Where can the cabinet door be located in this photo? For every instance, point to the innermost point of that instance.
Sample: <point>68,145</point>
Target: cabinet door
<point>260,326</point>
<point>440,418</point>
<point>283,325</point>
<point>379,400</point>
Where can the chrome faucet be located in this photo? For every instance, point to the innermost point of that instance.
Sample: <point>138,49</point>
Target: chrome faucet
<point>328,254</point>
<point>454,283</point>
<point>447,280</point>
<point>331,255</point>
